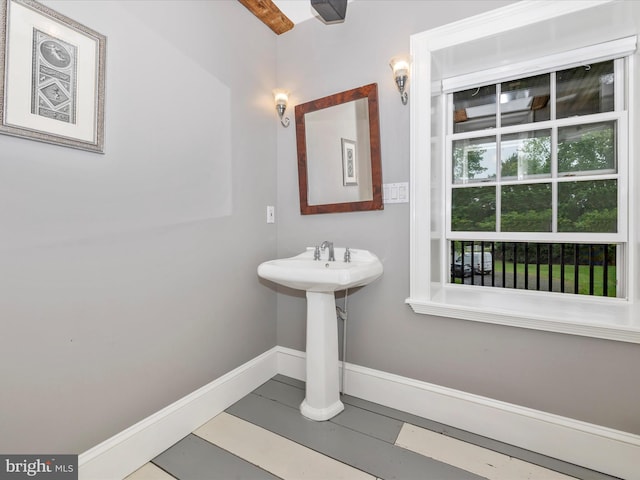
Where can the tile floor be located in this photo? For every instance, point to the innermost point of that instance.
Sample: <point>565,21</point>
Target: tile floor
<point>263,436</point>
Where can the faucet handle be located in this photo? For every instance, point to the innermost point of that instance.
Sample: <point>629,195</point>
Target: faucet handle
<point>316,253</point>
<point>347,255</point>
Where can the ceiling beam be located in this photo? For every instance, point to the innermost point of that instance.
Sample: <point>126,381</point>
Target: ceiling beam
<point>269,14</point>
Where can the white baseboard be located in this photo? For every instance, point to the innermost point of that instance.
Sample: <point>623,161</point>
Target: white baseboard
<point>127,451</point>
<point>599,448</point>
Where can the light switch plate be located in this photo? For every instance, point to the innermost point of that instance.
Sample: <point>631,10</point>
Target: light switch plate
<point>395,192</point>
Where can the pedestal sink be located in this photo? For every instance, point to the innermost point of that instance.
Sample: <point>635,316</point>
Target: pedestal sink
<point>321,279</point>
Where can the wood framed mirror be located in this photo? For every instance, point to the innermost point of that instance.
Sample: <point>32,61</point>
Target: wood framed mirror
<point>338,140</point>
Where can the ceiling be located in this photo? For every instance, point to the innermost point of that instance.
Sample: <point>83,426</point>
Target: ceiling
<point>281,15</point>
<point>297,10</point>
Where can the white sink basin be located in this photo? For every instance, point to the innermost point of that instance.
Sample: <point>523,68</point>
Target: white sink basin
<point>320,279</point>
<point>302,272</point>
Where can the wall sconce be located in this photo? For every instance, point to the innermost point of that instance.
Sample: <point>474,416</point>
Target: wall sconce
<point>400,66</point>
<point>281,98</point>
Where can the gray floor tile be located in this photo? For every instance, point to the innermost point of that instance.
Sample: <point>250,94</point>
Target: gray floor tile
<point>366,453</point>
<point>361,420</point>
<point>368,423</point>
<point>500,447</point>
<point>281,392</point>
<point>193,458</point>
<point>362,436</point>
<point>289,381</point>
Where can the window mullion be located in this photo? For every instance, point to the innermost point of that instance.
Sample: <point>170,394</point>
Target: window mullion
<point>546,125</point>
<point>498,188</point>
<point>554,155</point>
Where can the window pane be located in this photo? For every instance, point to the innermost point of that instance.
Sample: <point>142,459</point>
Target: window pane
<point>474,109</point>
<point>589,206</point>
<point>585,148</point>
<point>526,155</point>
<point>585,90</point>
<point>525,100</point>
<point>526,208</point>
<point>474,160</point>
<point>473,209</point>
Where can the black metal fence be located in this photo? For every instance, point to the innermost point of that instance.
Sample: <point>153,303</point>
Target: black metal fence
<point>587,269</point>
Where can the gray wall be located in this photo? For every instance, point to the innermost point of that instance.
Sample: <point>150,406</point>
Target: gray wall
<point>578,377</point>
<point>128,280</point>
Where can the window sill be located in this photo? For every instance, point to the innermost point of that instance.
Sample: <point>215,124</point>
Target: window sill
<point>611,319</point>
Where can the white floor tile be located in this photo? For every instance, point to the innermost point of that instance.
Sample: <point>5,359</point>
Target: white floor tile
<point>274,453</point>
<point>150,472</point>
<point>478,460</point>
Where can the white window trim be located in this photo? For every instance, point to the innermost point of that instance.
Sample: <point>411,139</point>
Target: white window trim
<point>614,319</point>
<point>603,51</point>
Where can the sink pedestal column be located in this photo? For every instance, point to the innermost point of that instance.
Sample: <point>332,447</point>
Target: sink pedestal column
<point>322,400</point>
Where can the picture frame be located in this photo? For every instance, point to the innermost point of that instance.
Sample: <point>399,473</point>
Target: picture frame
<point>349,163</point>
<point>52,77</point>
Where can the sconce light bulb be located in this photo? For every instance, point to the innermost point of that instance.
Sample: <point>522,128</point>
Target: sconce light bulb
<point>281,99</point>
<point>400,66</point>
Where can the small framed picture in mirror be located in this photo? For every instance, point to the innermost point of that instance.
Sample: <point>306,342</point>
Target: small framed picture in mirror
<point>349,165</point>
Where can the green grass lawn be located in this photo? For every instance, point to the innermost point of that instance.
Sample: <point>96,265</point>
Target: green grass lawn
<point>569,271</point>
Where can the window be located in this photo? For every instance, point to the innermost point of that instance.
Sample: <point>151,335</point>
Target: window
<point>539,157</point>
<point>525,162</point>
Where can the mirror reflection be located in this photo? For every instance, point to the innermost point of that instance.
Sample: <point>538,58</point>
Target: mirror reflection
<point>339,152</point>
<point>339,132</point>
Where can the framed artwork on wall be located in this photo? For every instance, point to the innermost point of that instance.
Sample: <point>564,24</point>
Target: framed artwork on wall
<point>349,164</point>
<point>52,72</point>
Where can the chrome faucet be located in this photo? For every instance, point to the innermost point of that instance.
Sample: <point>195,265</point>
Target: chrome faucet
<point>326,244</point>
